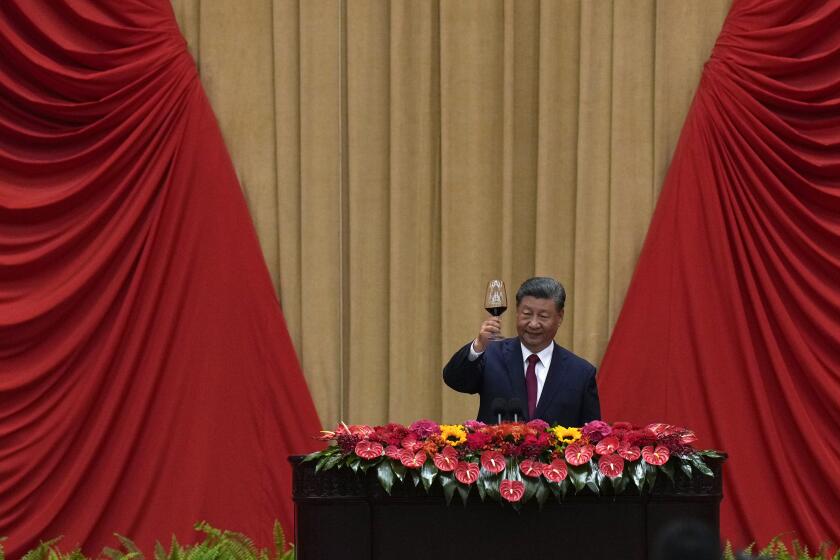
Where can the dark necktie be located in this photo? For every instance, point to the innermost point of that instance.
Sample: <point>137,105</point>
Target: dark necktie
<point>531,384</point>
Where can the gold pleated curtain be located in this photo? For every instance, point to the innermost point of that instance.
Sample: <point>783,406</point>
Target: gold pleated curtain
<point>396,155</point>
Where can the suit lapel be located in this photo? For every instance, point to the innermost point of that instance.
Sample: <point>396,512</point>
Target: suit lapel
<point>516,369</point>
<point>553,381</point>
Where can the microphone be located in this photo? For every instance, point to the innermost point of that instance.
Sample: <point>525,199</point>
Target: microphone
<point>498,408</point>
<point>514,408</point>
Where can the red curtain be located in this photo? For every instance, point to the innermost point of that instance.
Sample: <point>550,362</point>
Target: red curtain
<point>147,380</point>
<point>732,322</point>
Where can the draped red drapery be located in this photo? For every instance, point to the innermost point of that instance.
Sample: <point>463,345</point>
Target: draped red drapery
<point>731,324</point>
<point>147,380</point>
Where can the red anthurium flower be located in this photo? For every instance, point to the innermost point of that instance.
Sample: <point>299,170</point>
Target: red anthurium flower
<point>658,456</point>
<point>411,443</point>
<point>607,445</point>
<point>611,465</point>
<point>687,436</point>
<point>629,452</point>
<point>556,471</point>
<point>367,449</point>
<point>361,430</point>
<point>412,460</point>
<point>531,468</point>
<point>493,461</point>
<point>512,490</point>
<point>466,472</point>
<point>447,460</point>
<point>393,452</point>
<point>577,454</point>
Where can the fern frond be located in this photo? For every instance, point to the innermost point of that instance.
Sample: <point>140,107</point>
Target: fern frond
<point>279,541</point>
<point>44,551</point>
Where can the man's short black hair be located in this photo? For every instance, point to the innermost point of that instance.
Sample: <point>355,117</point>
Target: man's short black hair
<point>542,287</point>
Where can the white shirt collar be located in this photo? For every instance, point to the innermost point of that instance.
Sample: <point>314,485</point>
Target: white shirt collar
<point>544,354</point>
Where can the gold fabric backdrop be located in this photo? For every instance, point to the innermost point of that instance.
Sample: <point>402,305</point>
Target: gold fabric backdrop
<point>398,154</point>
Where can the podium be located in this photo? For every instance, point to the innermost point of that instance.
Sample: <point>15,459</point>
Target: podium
<point>340,514</point>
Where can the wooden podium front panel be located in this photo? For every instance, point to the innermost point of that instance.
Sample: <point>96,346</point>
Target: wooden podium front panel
<point>343,515</point>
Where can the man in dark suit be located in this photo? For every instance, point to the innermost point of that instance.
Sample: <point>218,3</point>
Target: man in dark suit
<point>552,383</point>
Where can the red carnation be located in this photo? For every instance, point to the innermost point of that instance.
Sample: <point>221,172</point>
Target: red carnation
<point>556,471</point>
<point>607,445</point>
<point>611,465</point>
<point>412,460</point>
<point>658,456</point>
<point>531,468</point>
<point>512,490</point>
<point>629,452</point>
<point>466,472</point>
<point>367,449</point>
<point>447,460</point>
<point>493,461</point>
<point>393,452</point>
<point>577,454</point>
<point>477,441</point>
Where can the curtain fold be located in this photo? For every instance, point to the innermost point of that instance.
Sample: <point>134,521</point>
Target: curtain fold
<point>146,374</point>
<point>731,322</point>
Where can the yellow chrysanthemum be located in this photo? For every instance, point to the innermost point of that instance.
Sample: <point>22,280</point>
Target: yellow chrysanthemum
<point>566,435</point>
<point>453,435</point>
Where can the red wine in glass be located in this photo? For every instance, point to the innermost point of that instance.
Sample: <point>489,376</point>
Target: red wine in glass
<point>495,300</point>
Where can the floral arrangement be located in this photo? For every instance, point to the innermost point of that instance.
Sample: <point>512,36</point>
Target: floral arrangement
<point>514,462</point>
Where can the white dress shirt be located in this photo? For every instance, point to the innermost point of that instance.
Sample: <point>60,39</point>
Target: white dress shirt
<point>541,369</point>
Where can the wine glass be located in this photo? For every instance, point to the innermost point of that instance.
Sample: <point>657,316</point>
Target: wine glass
<point>495,301</point>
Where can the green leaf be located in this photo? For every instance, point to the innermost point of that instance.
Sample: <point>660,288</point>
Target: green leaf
<point>491,484</point>
<point>415,477</point>
<point>595,480</point>
<point>448,485</point>
<point>650,475</point>
<point>354,464</point>
<point>578,474</point>
<point>668,469</point>
<point>686,468</point>
<point>385,475</point>
<point>700,465</point>
<point>312,456</point>
<point>542,492</point>
<point>620,484</point>
<point>636,470</point>
<point>530,488</point>
<point>428,472</point>
<point>333,461</point>
<point>480,486</point>
<point>398,468</point>
<point>463,491</point>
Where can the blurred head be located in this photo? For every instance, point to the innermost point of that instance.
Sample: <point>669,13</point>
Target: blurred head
<point>539,311</point>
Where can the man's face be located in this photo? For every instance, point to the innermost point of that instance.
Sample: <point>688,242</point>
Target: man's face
<point>537,320</point>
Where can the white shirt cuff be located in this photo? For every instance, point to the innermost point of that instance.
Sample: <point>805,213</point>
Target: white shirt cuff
<point>473,354</point>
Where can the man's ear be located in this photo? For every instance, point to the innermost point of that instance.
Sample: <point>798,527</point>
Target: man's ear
<point>562,312</point>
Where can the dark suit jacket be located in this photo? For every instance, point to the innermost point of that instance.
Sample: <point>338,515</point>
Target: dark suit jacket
<point>569,396</point>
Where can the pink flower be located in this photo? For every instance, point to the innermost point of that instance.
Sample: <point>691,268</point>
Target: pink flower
<point>367,449</point>
<point>361,430</point>
<point>447,460</point>
<point>411,442</point>
<point>512,490</point>
<point>537,424</point>
<point>531,468</point>
<point>466,473</point>
<point>629,452</point>
<point>577,454</point>
<point>611,465</point>
<point>596,430</point>
<point>425,428</point>
<point>477,441</point>
<point>474,425</point>
<point>393,452</point>
<point>412,460</point>
<point>555,471</point>
<point>658,456</point>
<point>607,445</point>
<point>493,461</point>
